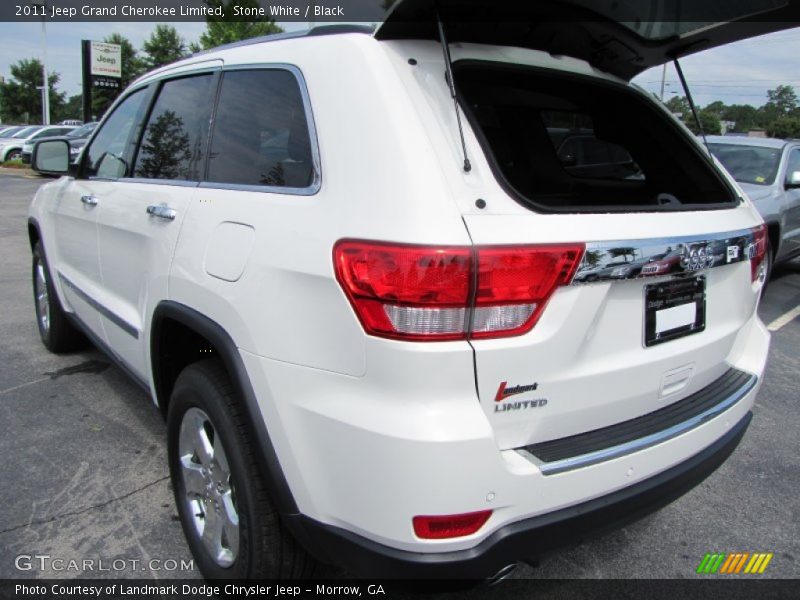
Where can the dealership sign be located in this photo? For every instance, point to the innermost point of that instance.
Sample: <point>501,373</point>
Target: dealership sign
<point>105,60</point>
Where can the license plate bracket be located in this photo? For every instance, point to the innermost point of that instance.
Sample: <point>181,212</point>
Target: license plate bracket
<point>674,309</point>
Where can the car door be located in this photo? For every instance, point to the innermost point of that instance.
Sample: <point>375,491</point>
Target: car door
<point>74,213</point>
<point>792,206</point>
<point>139,220</point>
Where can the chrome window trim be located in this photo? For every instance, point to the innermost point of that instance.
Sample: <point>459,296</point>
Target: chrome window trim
<point>593,458</point>
<point>150,181</point>
<point>316,183</point>
<point>695,248</point>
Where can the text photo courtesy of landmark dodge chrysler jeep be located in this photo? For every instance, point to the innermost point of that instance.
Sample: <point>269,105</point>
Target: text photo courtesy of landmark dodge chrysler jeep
<point>361,296</point>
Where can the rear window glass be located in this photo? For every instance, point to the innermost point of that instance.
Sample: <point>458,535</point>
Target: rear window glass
<point>174,142</point>
<point>261,134</point>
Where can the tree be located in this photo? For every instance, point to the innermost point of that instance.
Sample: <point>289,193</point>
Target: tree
<point>708,119</point>
<point>226,30</point>
<point>20,100</point>
<point>717,108</point>
<point>785,127</point>
<point>678,105</point>
<point>744,115</point>
<point>783,98</point>
<point>131,68</point>
<point>164,46</point>
<point>166,148</point>
<point>72,109</point>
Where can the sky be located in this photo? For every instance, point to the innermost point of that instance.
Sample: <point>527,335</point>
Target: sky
<point>740,73</point>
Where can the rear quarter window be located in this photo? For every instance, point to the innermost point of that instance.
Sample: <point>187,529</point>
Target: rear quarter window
<point>261,132</point>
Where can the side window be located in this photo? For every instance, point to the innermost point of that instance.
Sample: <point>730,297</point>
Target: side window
<point>105,157</point>
<point>173,143</point>
<point>261,134</point>
<point>794,164</point>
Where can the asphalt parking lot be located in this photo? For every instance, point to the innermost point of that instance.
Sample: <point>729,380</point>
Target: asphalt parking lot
<point>84,473</point>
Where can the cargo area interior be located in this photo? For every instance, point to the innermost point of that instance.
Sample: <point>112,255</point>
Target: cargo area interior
<point>562,142</point>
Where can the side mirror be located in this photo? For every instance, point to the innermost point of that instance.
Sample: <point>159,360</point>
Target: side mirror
<point>793,181</point>
<point>51,157</point>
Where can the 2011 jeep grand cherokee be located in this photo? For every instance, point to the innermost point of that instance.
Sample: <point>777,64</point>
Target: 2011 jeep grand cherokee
<point>391,348</point>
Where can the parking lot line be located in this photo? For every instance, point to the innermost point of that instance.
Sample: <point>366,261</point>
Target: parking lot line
<point>785,318</point>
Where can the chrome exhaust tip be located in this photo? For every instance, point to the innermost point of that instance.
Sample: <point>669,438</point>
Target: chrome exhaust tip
<point>501,574</point>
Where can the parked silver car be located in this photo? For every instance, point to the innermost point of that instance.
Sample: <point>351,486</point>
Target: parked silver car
<point>769,172</point>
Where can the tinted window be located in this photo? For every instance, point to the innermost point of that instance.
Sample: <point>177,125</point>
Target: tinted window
<point>106,156</point>
<point>173,144</point>
<point>261,133</point>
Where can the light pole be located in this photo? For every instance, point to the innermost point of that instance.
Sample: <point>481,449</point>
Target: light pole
<point>46,88</point>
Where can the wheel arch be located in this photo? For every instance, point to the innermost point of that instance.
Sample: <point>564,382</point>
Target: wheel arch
<point>34,235</point>
<point>774,236</point>
<point>170,317</point>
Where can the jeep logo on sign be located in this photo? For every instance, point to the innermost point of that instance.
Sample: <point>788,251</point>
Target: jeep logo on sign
<point>696,256</point>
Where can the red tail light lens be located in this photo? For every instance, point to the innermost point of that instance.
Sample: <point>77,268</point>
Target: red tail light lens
<point>450,526</point>
<point>408,292</point>
<point>515,283</point>
<point>434,293</point>
<point>758,250</point>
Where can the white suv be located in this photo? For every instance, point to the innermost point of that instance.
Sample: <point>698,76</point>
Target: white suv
<point>391,348</point>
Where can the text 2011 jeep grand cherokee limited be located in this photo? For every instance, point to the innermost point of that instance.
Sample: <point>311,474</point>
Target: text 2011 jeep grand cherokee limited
<point>395,302</point>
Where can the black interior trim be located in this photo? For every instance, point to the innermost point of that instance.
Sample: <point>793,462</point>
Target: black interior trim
<point>703,160</point>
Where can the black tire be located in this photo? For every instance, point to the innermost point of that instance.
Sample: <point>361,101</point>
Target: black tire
<point>265,548</point>
<point>13,155</point>
<point>57,333</point>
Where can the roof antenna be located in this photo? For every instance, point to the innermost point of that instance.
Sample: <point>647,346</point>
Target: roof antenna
<point>452,85</point>
<point>691,102</point>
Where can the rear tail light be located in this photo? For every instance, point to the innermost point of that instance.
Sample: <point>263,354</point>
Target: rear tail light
<point>451,293</point>
<point>450,526</point>
<point>515,283</point>
<point>758,251</point>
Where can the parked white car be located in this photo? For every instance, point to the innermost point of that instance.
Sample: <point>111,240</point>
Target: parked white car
<point>11,148</point>
<point>366,335</point>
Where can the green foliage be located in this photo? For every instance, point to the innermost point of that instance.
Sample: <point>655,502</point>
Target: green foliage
<point>72,109</point>
<point>783,99</point>
<point>744,116</point>
<point>164,46</point>
<point>785,127</point>
<point>20,101</point>
<point>708,119</point>
<point>226,30</point>
<point>778,116</point>
<point>678,105</point>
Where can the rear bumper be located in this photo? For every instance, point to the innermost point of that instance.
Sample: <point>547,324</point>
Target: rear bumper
<point>524,539</point>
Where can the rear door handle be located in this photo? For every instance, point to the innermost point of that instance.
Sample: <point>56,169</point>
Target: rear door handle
<point>89,200</point>
<point>161,211</point>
